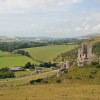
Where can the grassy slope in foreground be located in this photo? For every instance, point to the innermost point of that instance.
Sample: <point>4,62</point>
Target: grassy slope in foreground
<point>88,74</point>
<point>10,60</point>
<point>47,53</point>
<point>51,92</point>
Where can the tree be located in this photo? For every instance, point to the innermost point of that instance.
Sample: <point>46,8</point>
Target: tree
<point>27,65</point>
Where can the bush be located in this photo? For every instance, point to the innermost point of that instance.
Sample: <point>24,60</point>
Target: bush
<point>37,80</point>
<point>7,74</point>
<point>90,76</point>
<point>77,77</point>
<point>32,81</point>
<point>94,72</point>
<point>46,81</point>
<point>94,63</point>
<point>66,70</point>
<point>58,81</point>
<point>98,66</point>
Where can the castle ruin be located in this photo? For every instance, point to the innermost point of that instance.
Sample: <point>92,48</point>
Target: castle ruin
<point>85,55</point>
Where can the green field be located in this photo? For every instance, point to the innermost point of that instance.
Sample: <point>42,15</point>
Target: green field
<point>11,60</point>
<point>47,53</point>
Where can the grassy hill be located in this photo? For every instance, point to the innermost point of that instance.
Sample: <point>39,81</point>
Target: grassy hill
<point>88,75</point>
<point>47,53</point>
<point>89,36</point>
<point>11,60</point>
<point>72,54</point>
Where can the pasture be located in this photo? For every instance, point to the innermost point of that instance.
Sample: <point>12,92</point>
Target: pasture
<point>47,53</point>
<point>58,91</point>
<point>25,80</point>
<point>11,60</point>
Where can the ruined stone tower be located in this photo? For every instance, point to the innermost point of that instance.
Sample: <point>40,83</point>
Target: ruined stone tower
<point>85,51</point>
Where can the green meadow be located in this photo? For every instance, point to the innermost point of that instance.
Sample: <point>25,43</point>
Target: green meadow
<point>47,53</point>
<point>11,60</point>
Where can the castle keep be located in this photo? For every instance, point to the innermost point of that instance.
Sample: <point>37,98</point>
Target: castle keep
<point>85,51</point>
<point>85,54</point>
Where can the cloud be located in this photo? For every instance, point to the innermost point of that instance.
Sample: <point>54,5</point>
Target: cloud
<point>84,24</point>
<point>87,27</point>
<point>61,31</point>
<point>87,19</point>
<point>65,21</point>
<point>38,25</point>
<point>33,25</point>
<point>78,29</point>
<point>96,28</point>
<point>97,0</point>
<point>76,1</point>
<point>19,6</point>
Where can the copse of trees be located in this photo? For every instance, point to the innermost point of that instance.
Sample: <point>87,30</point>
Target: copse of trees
<point>29,65</point>
<point>22,52</point>
<point>5,46</point>
<point>5,73</point>
<point>47,64</point>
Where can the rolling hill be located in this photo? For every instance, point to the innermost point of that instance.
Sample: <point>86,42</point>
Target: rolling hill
<point>89,36</point>
<point>72,54</point>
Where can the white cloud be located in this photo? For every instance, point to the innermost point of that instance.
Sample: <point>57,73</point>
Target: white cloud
<point>87,27</point>
<point>33,25</point>
<point>78,29</point>
<point>76,1</point>
<point>19,6</point>
<point>84,24</point>
<point>62,31</point>
<point>96,28</point>
<point>65,21</point>
<point>87,19</point>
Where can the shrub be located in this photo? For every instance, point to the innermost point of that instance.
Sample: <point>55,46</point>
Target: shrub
<point>94,63</point>
<point>46,81</point>
<point>94,72</point>
<point>98,66</point>
<point>66,70</point>
<point>90,76</point>
<point>77,77</point>
<point>38,80</point>
<point>7,74</point>
<point>58,81</point>
<point>32,81</point>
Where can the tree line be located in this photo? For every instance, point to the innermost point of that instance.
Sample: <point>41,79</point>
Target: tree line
<point>5,46</point>
<point>10,46</point>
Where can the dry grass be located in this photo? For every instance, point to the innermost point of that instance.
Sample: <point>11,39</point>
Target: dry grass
<point>51,92</point>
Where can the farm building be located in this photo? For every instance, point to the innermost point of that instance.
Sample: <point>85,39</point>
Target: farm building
<point>15,69</point>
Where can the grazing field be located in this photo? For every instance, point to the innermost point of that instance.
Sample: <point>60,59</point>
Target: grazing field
<point>11,60</point>
<point>47,53</point>
<point>51,92</point>
<point>26,79</point>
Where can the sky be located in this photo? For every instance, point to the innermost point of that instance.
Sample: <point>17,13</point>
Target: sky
<point>49,18</point>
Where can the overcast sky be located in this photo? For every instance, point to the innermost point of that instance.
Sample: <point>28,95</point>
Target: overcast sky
<point>50,18</point>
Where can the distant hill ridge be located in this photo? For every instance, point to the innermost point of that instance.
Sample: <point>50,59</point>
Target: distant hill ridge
<point>16,39</point>
<point>89,36</point>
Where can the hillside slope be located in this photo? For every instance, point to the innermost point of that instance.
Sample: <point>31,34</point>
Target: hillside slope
<point>88,75</point>
<point>89,36</point>
<point>72,54</point>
